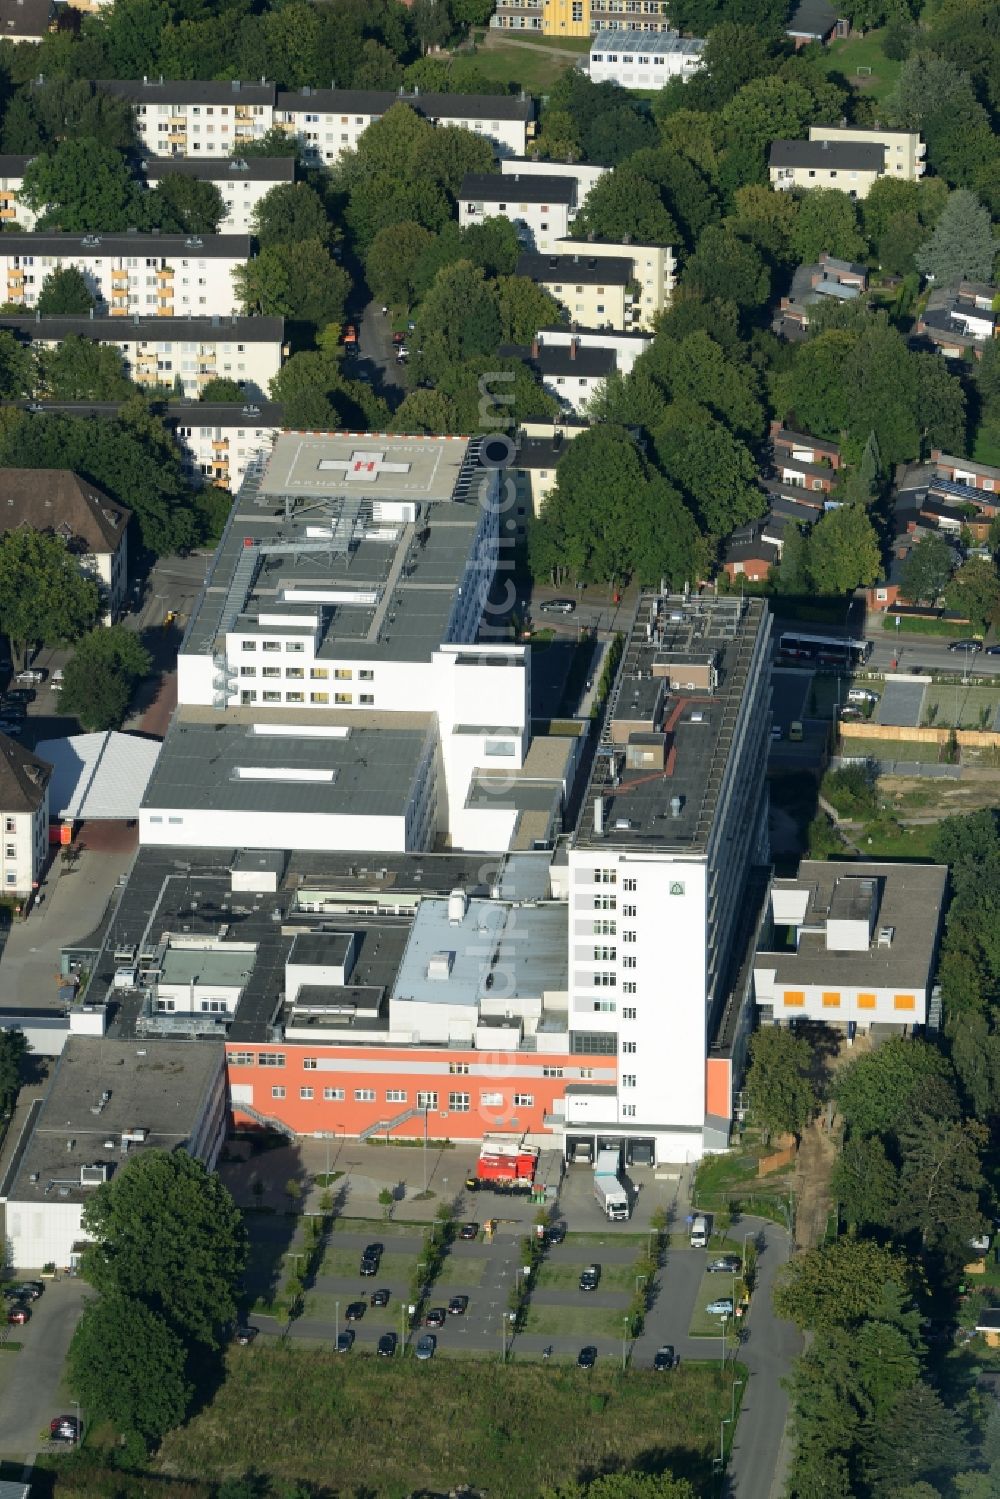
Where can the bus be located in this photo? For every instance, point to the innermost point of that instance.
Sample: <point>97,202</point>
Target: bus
<point>824,650</point>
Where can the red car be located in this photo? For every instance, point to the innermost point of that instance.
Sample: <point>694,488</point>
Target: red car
<point>64,1429</point>
<point>18,1315</point>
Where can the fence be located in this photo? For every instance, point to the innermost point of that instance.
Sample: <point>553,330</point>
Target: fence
<point>970,738</point>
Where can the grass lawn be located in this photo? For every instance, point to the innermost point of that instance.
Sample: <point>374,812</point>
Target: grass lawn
<point>961,707</point>
<point>404,1426</point>
<point>575,1321</point>
<point>531,68</point>
<point>563,1277</point>
<point>883,841</point>
<point>378,1229</point>
<point>713,1288</point>
<point>890,749</point>
<point>597,1240</point>
<point>986,448</point>
<point>323,1306</point>
<point>395,1265</point>
<point>861,52</point>
<point>459,1272</point>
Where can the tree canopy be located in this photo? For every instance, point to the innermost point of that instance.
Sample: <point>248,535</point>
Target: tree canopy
<point>101,675</point>
<point>44,597</point>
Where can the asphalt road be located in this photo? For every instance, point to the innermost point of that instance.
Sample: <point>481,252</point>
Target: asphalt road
<point>30,1381</point>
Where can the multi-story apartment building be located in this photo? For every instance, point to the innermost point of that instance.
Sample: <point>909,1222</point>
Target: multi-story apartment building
<point>664,888</point>
<point>221,442</point>
<point>571,374</point>
<point>581,17</point>
<point>160,351</point>
<point>849,166</point>
<point>25,21</point>
<point>12,209</point>
<point>636,58</point>
<point>596,291</point>
<point>328,122</point>
<point>904,150</point>
<point>540,446</point>
<point>541,208</point>
<point>190,118</point>
<point>154,275</point>
<point>626,347</point>
<point>584,174</point>
<point>653,271</point>
<point>24,814</point>
<point>92,525</point>
<point>242,181</point>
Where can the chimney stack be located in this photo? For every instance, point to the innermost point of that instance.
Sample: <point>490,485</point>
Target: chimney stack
<point>572,347</point>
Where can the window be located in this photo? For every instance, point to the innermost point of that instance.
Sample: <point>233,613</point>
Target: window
<point>427,1100</point>
<point>271,645</point>
<point>343,697</point>
<point>605,980</point>
<point>271,1059</point>
<point>295,672</point>
<point>333,1095</point>
<point>459,1102</point>
<point>831,1000</point>
<point>309,1064</point>
<point>366,676</point>
<point>241,1058</point>
<point>903,1002</point>
<point>628,1079</point>
<point>343,673</point>
<point>604,1006</point>
<point>629,885</point>
<point>248,645</point>
<point>458,1069</point>
<point>794,999</point>
<point>629,1048</point>
<point>270,671</point>
<point>491,1100</point>
<point>592,1043</point>
<point>318,673</point>
<point>364,1095</point>
<point>628,936</point>
<point>366,699</point>
<point>867,1002</point>
<point>305,1094</point>
<point>250,671</point>
<point>604,928</point>
<point>628,1111</point>
<point>630,1013</point>
<point>552,1072</point>
<point>277,1092</point>
<point>630,986</point>
<point>524,1100</point>
<point>628,910</point>
<point>605,954</point>
<point>395,1095</point>
<point>214,1007</point>
<point>10,851</point>
<point>630,962</point>
<point>605,876</point>
<point>605,902</point>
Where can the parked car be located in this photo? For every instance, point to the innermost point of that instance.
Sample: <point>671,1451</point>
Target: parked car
<point>371,1258</point>
<point>556,1234</point>
<point>991,650</point>
<point>380,1298</point>
<point>355,1311</point>
<point>435,1317</point>
<point>777,732</point>
<point>64,1429</point>
<point>469,1231</point>
<point>587,1357</point>
<point>970,646</point>
<point>13,728</point>
<point>590,1278</point>
<point>457,1306</point>
<point>18,1315</point>
<point>399,337</point>
<point>345,1341</point>
<point>557,606</point>
<point>425,1346</point>
<point>23,1290</point>
<point>18,695</point>
<point>664,1358</point>
<point>387,1345</point>
<point>726,1264</point>
<point>721,1308</point>
<point>31,676</point>
<point>245,1335</point>
<point>862,695</point>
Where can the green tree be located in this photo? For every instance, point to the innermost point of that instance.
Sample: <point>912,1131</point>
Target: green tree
<point>65,292</point>
<point>793,570</point>
<point>458,319</point>
<point>918,1437</point>
<point>525,308</point>
<point>841,1284</point>
<point>630,1485</point>
<point>221,389</point>
<point>314,394</point>
<point>44,598</point>
<point>13,1050</point>
<point>827,220</point>
<point>696,368</point>
<point>766,219</point>
<point>59,108</point>
<point>620,204</point>
<point>864,1182</point>
<point>297,280</point>
<point>167,1234</point>
<point>291,213</point>
<point>877,1091</point>
<point>127,1365</point>
<point>714,468</point>
<point>961,246</point>
<point>17,368</point>
<point>940,406</point>
<point>726,267</point>
<point>779,1080</point>
<point>274,143</point>
<point>83,187</point>
<point>185,205</point>
<point>80,369</point>
<point>926,570</point>
<point>101,676</point>
<point>974,591</point>
<point>843,551</point>
<point>392,258</point>
<point>941,1179</point>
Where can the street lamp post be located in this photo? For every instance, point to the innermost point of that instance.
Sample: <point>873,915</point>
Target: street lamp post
<point>640,1280</point>
<point>722,1440</point>
<point>624,1342</point>
<point>725,1319</point>
<point>336,1322</point>
<point>426,1112</point>
<point>737,1385</point>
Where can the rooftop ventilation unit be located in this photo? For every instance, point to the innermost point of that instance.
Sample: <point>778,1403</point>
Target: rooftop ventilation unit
<point>440,965</point>
<point>885,935</point>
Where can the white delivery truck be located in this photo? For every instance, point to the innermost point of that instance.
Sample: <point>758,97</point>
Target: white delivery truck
<point>608,1188</point>
<point>699,1231</point>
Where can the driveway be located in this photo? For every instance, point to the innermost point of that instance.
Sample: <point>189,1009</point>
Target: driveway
<point>31,1381</point>
<point>376,359</point>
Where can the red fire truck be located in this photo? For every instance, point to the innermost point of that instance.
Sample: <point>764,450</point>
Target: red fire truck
<point>504,1165</point>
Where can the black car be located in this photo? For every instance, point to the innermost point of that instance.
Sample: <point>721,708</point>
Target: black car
<point>355,1311</point>
<point>590,1278</point>
<point>379,1298</point>
<point>246,1335</point>
<point>587,1357</point>
<point>345,1342</point>
<point>371,1258</point>
<point>435,1317</point>
<point>555,1235</point>
<point>457,1306</point>
<point>664,1358</point>
<point>387,1345</point>
<point>469,1231</point>
<point>557,606</point>
<point>991,650</point>
<point>971,646</point>
<point>18,695</point>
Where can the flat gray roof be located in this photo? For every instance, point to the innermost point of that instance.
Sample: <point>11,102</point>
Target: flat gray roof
<point>233,168</point>
<point>687,636</point>
<point>645,43</point>
<point>153,329</point>
<point>843,156</point>
<point>161,246</point>
<point>529,188</point>
<point>263,762</point>
<point>159,1086</point>
<point>908,898</point>
<point>588,270</point>
<point>228,965</point>
<point>496,950</point>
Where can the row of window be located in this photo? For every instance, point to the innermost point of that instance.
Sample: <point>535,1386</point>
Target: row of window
<point>830,999</point>
<point>344,699</point>
<point>458,1103</point>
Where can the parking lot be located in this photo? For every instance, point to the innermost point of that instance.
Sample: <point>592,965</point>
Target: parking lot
<point>31,1388</point>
